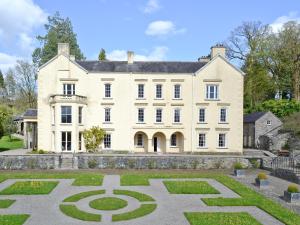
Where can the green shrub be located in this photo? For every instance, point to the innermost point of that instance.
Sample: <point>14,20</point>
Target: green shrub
<point>262,176</point>
<point>92,163</point>
<point>293,188</point>
<point>93,138</point>
<point>238,166</point>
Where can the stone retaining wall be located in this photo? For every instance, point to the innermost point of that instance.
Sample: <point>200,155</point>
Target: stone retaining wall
<point>100,161</point>
<point>287,175</point>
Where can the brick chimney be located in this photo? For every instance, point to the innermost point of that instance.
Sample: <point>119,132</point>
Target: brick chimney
<point>217,49</point>
<point>63,48</point>
<point>130,56</point>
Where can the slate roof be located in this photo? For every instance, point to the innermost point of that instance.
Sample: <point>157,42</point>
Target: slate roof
<point>141,66</point>
<point>252,117</point>
<point>30,113</point>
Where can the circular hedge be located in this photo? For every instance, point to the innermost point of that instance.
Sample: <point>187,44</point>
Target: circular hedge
<point>108,203</point>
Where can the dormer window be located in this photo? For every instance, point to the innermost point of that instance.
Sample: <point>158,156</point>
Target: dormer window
<point>69,89</point>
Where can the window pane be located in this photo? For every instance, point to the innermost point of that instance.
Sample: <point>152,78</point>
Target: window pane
<point>202,140</point>
<point>173,140</point>
<point>140,91</point>
<point>158,91</point>
<point>201,115</point>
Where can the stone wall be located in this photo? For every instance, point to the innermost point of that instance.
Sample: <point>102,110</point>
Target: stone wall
<point>19,162</point>
<point>287,175</point>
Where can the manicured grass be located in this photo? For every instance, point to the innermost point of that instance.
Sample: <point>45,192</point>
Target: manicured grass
<point>143,210</point>
<point>220,218</point>
<point>13,219</point>
<point>5,203</point>
<point>30,188</point>
<point>74,212</point>
<point>190,187</point>
<point>248,196</point>
<point>108,203</point>
<point>79,196</point>
<point>137,195</point>
<point>6,144</point>
<point>81,178</point>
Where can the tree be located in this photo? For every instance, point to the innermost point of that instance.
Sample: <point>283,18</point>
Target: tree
<point>1,80</point>
<point>58,30</point>
<point>102,55</point>
<point>25,74</point>
<point>93,138</point>
<point>10,85</point>
<point>5,117</point>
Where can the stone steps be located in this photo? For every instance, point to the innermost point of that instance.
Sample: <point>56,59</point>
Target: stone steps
<point>67,162</point>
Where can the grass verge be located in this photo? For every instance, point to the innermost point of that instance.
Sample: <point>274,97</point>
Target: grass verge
<point>220,218</point>
<point>13,219</point>
<point>5,203</point>
<point>74,212</point>
<point>10,144</point>
<point>143,210</point>
<point>249,197</point>
<point>108,203</point>
<point>189,187</point>
<point>79,196</point>
<point>81,178</point>
<point>30,188</point>
<point>137,195</point>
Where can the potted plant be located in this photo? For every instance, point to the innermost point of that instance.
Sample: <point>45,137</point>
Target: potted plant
<point>292,194</point>
<point>262,180</point>
<point>239,169</point>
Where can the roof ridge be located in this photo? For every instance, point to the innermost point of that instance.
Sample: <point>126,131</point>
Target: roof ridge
<point>139,61</point>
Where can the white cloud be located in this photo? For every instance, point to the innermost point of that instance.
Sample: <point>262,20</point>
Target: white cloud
<point>7,61</point>
<point>280,21</point>
<point>151,6</point>
<point>163,28</point>
<point>157,54</point>
<point>18,18</point>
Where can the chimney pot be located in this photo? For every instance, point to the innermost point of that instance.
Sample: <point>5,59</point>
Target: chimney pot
<point>130,56</point>
<point>218,49</point>
<point>63,48</point>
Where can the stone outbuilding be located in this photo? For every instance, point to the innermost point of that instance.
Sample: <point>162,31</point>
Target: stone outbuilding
<point>258,126</point>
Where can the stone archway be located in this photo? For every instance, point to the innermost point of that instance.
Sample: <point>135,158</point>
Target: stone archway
<point>177,142</point>
<point>140,142</point>
<point>158,142</point>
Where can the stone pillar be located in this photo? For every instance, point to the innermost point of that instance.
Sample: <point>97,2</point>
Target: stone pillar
<point>150,147</point>
<point>25,135</point>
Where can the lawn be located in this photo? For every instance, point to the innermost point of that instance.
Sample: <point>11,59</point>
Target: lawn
<point>143,210</point>
<point>74,212</point>
<point>6,144</point>
<point>30,188</point>
<point>5,203</point>
<point>108,203</point>
<point>189,187</point>
<point>248,196</point>
<point>82,195</point>
<point>81,178</point>
<point>13,219</point>
<point>137,195</point>
<point>220,218</point>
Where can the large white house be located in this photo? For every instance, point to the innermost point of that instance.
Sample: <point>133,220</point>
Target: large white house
<point>167,107</point>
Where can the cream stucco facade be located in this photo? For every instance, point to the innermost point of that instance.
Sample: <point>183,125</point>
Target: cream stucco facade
<point>58,78</point>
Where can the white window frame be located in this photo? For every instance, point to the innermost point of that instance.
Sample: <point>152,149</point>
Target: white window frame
<point>223,117</point>
<point>140,140</point>
<point>68,89</point>
<point>158,91</point>
<point>66,115</point>
<point>107,90</point>
<point>202,116</point>
<point>177,91</point>
<point>80,115</point>
<point>141,91</point>
<point>68,140</point>
<point>107,115</point>
<point>173,140</point>
<point>212,92</point>
<point>158,115</point>
<point>225,140</point>
<point>177,116</point>
<point>107,141</point>
<point>269,122</point>
<point>203,141</point>
<point>141,115</point>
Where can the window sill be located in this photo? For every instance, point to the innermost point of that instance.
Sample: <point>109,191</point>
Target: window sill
<point>201,122</point>
<point>214,100</point>
<point>176,99</point>
<point>140,123</point>
<point>222,148</point>
<point>140,98</point>
<point>173,146</point>
<point>139,146</point>
<point>177,123</point>
<point>66,124</point>
<point>159,99</point>
<point>223,123</point>
<point>80,124</point>
<point>107,122</point>
<point>202,147</point>
<point>107,98</point>
<point>159,123</point>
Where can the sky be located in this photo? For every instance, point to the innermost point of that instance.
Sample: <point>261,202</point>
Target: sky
<point>155,30</point>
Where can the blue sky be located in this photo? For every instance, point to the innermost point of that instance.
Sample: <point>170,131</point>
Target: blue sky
<point>153,29</point>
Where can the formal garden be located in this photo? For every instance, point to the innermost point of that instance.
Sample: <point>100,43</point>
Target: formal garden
<point>145,197</point>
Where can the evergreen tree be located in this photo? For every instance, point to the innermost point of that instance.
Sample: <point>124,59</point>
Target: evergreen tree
<point>102,55</point>
<point>1,80</point>
<point>58,30</point>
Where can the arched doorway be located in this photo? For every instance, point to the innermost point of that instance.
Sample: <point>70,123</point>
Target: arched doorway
<point>140,142</point>
<point>159,142</point>
<point>177,142</point>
